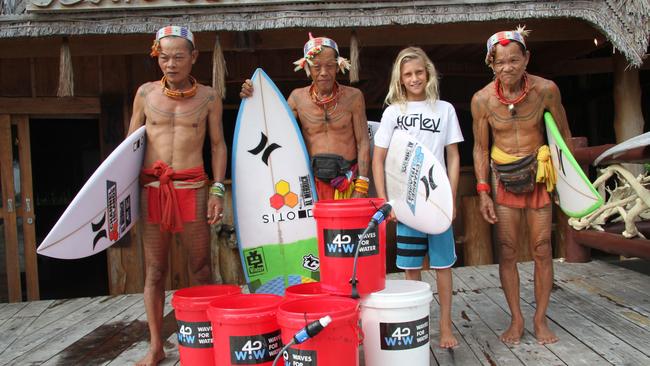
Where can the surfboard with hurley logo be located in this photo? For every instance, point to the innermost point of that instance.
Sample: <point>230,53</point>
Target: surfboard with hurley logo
<point>273,193</point>
<point>105,208</point>
<point>418,185</point>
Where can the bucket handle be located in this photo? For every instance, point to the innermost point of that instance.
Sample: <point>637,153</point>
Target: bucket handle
<point>359,332</point>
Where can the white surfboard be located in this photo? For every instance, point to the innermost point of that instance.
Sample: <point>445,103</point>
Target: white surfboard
<point>629,144</point>
<point>418,185</point>
<point>105,208</point>
<point>577,195</point>
<point>273,193</point>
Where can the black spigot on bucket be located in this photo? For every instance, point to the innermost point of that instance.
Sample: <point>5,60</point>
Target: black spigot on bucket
<point>376,219</point>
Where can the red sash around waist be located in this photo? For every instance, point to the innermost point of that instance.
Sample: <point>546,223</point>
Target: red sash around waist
<point>171,205</point>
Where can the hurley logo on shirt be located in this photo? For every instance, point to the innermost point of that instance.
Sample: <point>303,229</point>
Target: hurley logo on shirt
<point>407,121</point>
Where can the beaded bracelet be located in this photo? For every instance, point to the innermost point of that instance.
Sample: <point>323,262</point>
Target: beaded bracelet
<point>361,185</point>
<point>218,189</point>
<point>482,187</point>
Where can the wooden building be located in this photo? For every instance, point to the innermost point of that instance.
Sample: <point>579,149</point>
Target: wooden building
<point>51,139</point>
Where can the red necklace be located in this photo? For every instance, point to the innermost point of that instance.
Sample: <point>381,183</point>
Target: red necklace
<point>323,102</point>
<point>179,94</point>
<point>511,103</point>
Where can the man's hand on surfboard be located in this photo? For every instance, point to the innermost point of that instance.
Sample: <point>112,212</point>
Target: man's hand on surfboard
<point>215,210</point>
<point>246,89</point>
<point>487,208</point>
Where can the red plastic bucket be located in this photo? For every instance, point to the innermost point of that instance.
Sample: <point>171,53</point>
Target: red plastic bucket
<point>337,344</point>
<point>304,290</point>
<point>246,330</point>
<point>194,328</point>
<point>339,224</point>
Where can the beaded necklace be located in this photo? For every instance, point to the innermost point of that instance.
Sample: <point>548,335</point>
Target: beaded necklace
<point>179,94</point>
<point>323,102</point>
<point>511,103</point>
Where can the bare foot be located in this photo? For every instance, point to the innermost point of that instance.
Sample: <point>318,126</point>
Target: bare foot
<point>543,333</point>
<point>513,334</point>
<point>153,357</point>
<point>447,339</point>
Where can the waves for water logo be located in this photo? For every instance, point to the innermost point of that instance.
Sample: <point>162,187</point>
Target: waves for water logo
<point>406,335</point>
<point>343,242</point>
<point>194,334</point>
<point>300,357</point>
<point>255,349</point>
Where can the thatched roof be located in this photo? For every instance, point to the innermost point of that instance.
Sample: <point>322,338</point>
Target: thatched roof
<point>626,23</point>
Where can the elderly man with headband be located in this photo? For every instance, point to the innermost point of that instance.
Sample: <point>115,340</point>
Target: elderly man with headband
<point>333,122</point>
<point>510,109</point>
<point>178,112</point>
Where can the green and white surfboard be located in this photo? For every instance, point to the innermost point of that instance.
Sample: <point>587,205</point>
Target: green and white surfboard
<point>577,195</point>
<point>273,193</point>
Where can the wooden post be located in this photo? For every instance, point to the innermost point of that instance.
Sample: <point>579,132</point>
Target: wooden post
<point>14,291</point>
<point>226,263</point>
<point>477,246</point>
<point>28,214</point>
<point>628,117</point>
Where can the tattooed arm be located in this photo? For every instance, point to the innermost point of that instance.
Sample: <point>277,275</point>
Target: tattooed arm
<point>481,130</point>
<point>138,116</point>
<point>219,153</point>
<point>360,126</point>
<point>553,103</point>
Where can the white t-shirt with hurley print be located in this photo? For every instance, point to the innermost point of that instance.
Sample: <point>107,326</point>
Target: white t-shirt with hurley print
<point>434,125</point>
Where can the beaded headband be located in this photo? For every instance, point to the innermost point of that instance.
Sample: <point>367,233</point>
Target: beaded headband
<point>315,46</point>
<point>168,31</point>
<point>505,37</point>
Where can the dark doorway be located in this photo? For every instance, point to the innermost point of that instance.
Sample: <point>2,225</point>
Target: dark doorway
<point>65,153</point>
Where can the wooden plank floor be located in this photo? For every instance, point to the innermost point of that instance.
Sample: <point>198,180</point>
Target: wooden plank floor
<point>601,313</point>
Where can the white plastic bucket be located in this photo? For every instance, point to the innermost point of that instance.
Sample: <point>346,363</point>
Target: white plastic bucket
<point>395,322</point>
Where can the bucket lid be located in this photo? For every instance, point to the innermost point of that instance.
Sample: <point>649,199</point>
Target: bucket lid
<point>295,313</point>
<point>197,298</point>
<point>244,308</point>
<point>399,294</point>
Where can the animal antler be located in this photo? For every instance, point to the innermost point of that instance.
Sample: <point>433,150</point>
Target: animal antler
<point>629,199</point>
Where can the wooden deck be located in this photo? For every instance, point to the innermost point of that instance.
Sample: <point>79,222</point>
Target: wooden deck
<point>600,312</point>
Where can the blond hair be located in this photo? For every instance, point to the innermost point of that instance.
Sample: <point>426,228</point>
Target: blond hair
<point>397,91</point>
